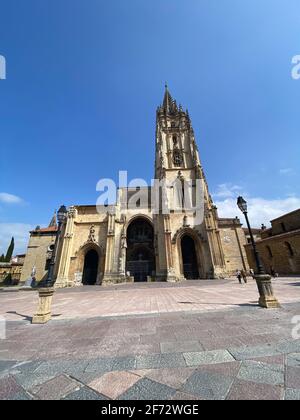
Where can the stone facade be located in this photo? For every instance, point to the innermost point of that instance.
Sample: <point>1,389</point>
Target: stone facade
<point>39,251</point>
<point>125,242</point>
<point>279,246</point>
<point>10,273</point>
<point>233,243</point>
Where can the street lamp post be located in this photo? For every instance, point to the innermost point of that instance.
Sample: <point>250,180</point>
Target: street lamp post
<point>61,217</point>
<point>46,288</point>
<point>263,280</point>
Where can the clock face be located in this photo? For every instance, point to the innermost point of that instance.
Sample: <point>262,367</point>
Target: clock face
<point>227,239</point>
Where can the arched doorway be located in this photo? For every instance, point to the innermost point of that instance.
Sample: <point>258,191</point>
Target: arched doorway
<point>189,258</point>
<point>90,269</point>
<point>140,257</point>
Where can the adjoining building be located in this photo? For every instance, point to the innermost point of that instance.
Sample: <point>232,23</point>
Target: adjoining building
<point>101,245</point>
<point>279,246</point>
<point>39,252</point>
<point>256,232</point>
<point>10,272</point>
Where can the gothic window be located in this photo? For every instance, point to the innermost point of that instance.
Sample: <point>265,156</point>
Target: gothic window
<point>175,141</point>
<point>269,251</point>
<point>173,125</point>
<point>289,249</point>
<point>283,227</point>
<point>177,157</point>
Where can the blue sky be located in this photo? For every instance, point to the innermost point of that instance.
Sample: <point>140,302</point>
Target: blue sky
<point>84,79</point>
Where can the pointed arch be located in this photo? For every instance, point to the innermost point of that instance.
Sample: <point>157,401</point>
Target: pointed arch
<point>140,253</point>
<point>195,267</point>
<point>90,261</point>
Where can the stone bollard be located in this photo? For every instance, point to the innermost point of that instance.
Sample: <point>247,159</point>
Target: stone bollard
<point>266,294</point>
<point>43,314</point>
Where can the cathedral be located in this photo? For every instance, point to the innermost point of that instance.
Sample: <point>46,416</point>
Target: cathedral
<point>102,245</point>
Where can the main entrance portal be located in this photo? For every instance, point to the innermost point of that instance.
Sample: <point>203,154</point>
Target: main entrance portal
<point>140,259</point>
<point>189,258</point>
<point>90,269</point>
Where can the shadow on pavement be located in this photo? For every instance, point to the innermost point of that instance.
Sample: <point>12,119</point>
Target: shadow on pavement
<point>26,317</point>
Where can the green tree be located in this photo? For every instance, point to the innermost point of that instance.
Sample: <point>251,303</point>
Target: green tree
<point>10,250</point>
<point>2,258</point>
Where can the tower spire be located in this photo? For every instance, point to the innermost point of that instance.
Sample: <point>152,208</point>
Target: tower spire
<point>53,220</point>
<point>168,100</point>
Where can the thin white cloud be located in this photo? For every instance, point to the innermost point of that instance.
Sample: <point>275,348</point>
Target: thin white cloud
<point>227,191</point>
<point>285,171</point>
<point>260,210</point>
<point>20,231</point>
<point>7,198</point>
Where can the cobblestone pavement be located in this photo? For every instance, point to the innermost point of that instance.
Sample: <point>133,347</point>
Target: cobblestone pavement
<point>232,352</point>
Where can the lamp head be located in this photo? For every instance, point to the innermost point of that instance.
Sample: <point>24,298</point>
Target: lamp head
<point>242,204</point>
<point>62,214</point>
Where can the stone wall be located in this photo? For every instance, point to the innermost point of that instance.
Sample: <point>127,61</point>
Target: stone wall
<point>274,252</point>
<point>37,254</point>
<point>233,242</point>
<point>13,270</point>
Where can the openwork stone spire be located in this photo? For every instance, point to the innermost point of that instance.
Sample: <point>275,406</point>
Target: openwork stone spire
<point>169,105</point>
<point>53,222</point>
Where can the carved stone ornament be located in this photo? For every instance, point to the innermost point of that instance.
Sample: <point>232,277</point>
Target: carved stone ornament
<point>124,241</point>
<point>72,212</point>
<point>185,222</point>
<point>91,237</point>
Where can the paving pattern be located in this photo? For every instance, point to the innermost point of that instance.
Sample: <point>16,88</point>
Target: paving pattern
<point>145,298</point>
<point>235,352</point>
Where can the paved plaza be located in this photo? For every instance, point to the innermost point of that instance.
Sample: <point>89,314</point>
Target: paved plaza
<point>193,340</point>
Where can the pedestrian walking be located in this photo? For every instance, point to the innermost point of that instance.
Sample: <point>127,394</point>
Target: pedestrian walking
<point>251,271</point>
<point>244,276</point>
<point>239,276</point>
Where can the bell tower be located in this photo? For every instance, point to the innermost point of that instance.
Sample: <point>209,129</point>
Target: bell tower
<point>177,157</point>
<point>176,148</point>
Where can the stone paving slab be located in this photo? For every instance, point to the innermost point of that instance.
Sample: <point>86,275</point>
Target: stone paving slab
<point>293,359</point>
<point>146,389</point>
<point>185,397</point>
<point>292,394</point>
<point>56,388</point>
<point>113,384</point>
<point>85,394</point>
<point>21,396</point>
<point>208,385</point>
<point>30,380</point>
<point>251,352</point>
<point>226,369</point>
<point>291,346</point>
<point>158,361</point>
<point>52,367</point>
<point>9,387</point>
<point>180,346</point>
<point>172,377</point>
<point>207,357</point>
<point>262,373</point>
<point>111,364</point>
<point>245,390</point>
<point>293,377</point>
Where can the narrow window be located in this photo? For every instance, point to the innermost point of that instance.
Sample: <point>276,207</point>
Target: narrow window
<point>177,158</point>
<point>289,249</point>
<point>269,252</point>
